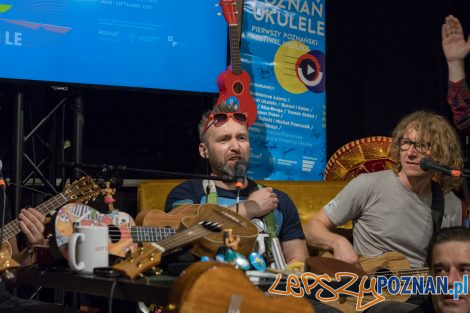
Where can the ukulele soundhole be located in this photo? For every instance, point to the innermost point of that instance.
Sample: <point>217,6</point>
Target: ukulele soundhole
<point>237,87</point>
<point>383,271</point>
<point>114,233</point>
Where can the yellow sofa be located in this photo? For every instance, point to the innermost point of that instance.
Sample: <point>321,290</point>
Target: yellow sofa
<point>308,196</point>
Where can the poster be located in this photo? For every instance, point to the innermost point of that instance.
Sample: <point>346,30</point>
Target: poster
<point>283,51</point>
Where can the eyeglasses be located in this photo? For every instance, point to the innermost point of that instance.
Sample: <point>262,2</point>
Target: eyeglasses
<point>219,119</point>
<point>420,146</point>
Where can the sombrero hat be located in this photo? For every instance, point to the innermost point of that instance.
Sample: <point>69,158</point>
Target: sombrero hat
<point>364,155</point>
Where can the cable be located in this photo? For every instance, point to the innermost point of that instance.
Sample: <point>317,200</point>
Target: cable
<point>32,189</point>
<point>4,208</point>
<point>111,295</point>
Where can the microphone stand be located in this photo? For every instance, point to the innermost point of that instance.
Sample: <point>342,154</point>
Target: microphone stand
<point>4,207</point>
<point>147,172</point>
<point>3,187</point>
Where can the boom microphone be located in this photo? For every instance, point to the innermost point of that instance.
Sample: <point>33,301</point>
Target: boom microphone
<point>429,164</point>
<point>240,172</point>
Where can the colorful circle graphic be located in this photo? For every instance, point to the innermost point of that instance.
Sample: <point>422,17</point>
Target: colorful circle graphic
<point>298,68</point>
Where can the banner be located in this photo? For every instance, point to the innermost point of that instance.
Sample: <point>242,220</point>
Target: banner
<point>283,50</point>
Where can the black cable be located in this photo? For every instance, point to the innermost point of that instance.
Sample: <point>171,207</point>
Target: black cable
<point>4,206</point>
<point>111,295</point>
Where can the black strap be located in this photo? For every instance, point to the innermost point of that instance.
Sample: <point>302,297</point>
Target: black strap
<point>437,206</point>
<point>252,186</point>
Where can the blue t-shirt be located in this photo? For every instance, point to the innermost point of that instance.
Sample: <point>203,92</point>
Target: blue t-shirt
<point>192,191</point>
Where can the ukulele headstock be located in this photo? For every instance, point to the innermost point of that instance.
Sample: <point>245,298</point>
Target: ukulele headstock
<point>82,190</point>
<point>229,11</point>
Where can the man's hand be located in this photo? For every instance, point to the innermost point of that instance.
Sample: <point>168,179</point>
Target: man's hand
<point>31,222</point>
<point>453,41</point>
<point>344,251</point>
<point>259,203</point>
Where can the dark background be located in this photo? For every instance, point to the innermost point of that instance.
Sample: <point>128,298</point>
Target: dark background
<point>384,60</point>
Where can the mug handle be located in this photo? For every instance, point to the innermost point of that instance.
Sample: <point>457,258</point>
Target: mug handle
<point>72,252</point>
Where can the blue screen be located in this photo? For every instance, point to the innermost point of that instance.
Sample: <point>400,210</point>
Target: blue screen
<point>161,44</point>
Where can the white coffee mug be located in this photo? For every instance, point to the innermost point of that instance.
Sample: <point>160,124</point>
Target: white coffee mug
<point>88,248</point>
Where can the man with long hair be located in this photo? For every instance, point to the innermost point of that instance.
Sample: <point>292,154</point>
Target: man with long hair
<point>392,210</point>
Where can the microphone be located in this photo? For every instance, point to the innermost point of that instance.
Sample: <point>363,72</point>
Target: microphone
<point>240,172</point>
<point>429,164</point>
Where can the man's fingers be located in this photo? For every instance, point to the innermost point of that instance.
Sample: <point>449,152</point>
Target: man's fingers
<point>25,229</point>
<point>31,232</point>
<point>41,217</point>
<point>33,216</point>
<point>33,222</point>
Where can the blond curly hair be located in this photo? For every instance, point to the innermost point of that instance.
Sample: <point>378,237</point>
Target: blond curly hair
<point>445,144</point>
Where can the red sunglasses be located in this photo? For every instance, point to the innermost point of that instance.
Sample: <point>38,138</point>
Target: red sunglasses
<point>219,119</point>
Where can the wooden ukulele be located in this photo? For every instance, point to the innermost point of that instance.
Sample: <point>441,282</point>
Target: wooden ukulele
<point>213,287</point>
<point>185,216</point>
<point>150,254</point>
<point>198,228</point>
<point>387,264</point>
<point>123,233</point>
<point>234,84</point>
<point>81,190</point>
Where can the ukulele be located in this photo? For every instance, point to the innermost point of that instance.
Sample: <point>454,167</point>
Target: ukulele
<point>387,264</point>
<point>184,216</point>
<point>83,189</point>
<point>150,254</point>
<point>123,233</point>
<point>198,228</point>
<point>234,84</point>
<point>213,287</point>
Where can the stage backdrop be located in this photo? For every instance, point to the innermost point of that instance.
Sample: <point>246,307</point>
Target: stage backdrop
<point>283,50</point>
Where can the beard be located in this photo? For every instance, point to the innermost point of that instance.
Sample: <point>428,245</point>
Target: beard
<point>221,168</point>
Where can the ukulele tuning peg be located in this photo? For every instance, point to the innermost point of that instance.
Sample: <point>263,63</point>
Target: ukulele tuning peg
<point>128,254</point>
